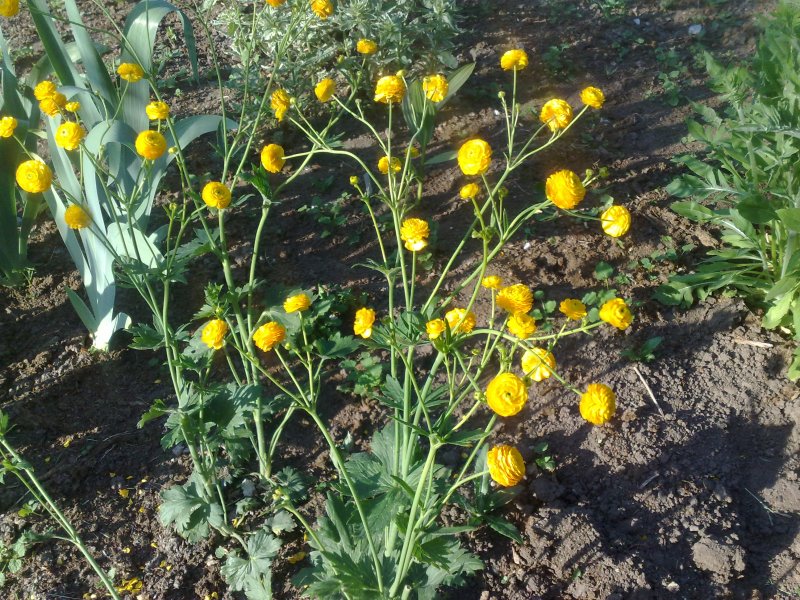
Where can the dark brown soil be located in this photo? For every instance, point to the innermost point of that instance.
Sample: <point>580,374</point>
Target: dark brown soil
<point>692,492</point>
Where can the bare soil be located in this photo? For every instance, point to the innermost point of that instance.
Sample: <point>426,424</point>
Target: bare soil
<point>691,492</point>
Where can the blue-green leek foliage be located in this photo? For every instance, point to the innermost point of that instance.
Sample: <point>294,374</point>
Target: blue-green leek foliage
<point>107,177</point>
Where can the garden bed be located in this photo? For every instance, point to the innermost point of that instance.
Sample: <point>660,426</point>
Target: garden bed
<point>691,492</point>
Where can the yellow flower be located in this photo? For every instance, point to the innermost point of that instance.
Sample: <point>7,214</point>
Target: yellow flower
<point>506,466</point>
<point>615,312</point>
<point>598,403</point>
<point>73,106</point>
<point>132,586</point>
<point>150,144</point>
<point>538,363</point>
<point>280,102</point>
<point>459,320</point>
<point>469,191</point>
<point>296,303</point>
<point>9,8</point>
<point>390,89</point>
<point>69,135</point>
<point>76,218</point>
<point>322,8</point>
<point>51,105</point>
<point>216,195</point>
<point>130,72</point>
<point>157,111</point>
<point>296,558</point>
<point>564,189</point>
<point>275,3</point>
<point>556,113</point>
<point>521,325</point>
<point>365,46</point>
<point>383,165</point>
<point>506,394</point>
<point>325,89</point>
<point>434,328</point>
<point>514,59</point>
<point>492,282</point>
<point>413,152</point>
<point>34,176</point>
<point>268,336</point>
<point>7,126</point>
<point>516,298</point>
<point>365,318</point>
<point>354,180</point>
<point>435,87</point>
<point>272,158</point>
<point>592,96</point>
<point>44,89</point>
<point>616,220</point>
<point>213,334</point>
<point>573,309</point>
<point>414,233</point>
<point>474,157</point>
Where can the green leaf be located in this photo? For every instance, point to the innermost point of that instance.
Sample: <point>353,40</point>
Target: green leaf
<point>777,312</point>
<point>603,271</point>
<point>338,346</point>
<point>504,528</point>
<point>252,574</point>
<point>185,508</point>
<point>158,409</point>
<point>755,209</point>
<point>693,211</point>
<point>790,217</point>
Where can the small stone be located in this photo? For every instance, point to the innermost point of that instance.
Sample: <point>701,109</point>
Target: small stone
<point>696,29</point>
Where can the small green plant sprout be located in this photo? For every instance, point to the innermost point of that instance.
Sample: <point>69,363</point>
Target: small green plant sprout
<point>646,352</point>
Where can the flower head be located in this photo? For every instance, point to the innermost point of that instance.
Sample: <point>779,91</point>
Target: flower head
<point>514,59</point>
<point>297,303</point>
<point>615,312</point>
<point>434,328</point>
<point>272,158</point>
<point>573,309</point>
<point>322,8</point>
<point>44,89</point>
<point>538,363</point>
<point>592,96</point>
<point>598,403</point>
<point>516,298</point>
<point>435,87</point>
<point>365,318</point>
<point>460,320</point>
<point>69,135</point>
<point>506,394</point>
<point>275,3</point>
<point>390,89</point>
<point>157,111</point>
<point>414,233</point>
<point>325,89</point>
<point>76,217</point>
<point>213,334</point>
<point>280,102</point>
<point>150,144</point>
<point>9,8</point>
<point>268,336</point>
<point>52,105</point>
<point>474,157</point>
<point>616,221</point>
<point>469,191</point>
<point>383,165</point>
<point>522,325</point>
<point>216,195</point>
<point>492,282</point>
<point>565,189</point>
<point>556,113</point>
<point>34,176</point>
<point>366,46</point>
<point>7,126</point>
<point>73,106</point>
<point>505,464</point>
<point>130,72</point>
